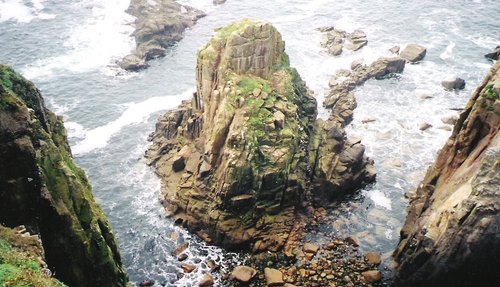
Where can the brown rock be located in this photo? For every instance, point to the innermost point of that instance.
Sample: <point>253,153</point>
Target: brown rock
<point>243,274</point>
<point>394,50</point>
<point>353,240</point>
<point>385,66</point>
<point>373,258</point>
<point>206,280</point>
<point>372,276</point>
<point>273,277</point>
<point>310,248</point>
<point>413,53</point>
<point>188,268</point>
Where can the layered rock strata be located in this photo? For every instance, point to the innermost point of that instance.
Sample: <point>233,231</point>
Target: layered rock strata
<point>451,234</point>
<point>43,189</point>
<point>246,154</point>
<point>158,25</point>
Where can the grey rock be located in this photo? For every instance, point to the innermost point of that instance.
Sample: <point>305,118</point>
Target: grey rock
<point>385,66</point>
<point>413,53</point>
<point>456,84</point>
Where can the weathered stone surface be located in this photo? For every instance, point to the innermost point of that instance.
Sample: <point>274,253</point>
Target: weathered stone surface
<point>450,237</point>
<point>243,274</point>
<point>158,25</point>
<point>43,189</point>
<point>456,84</point>
<point>335,40</point>
<point>386,65</point>
<point>356,40</point>
<point>372,276</point>
<point>256,150</point>
<point>273,277</point>
<point>413,53</point>
<point>394,50</point>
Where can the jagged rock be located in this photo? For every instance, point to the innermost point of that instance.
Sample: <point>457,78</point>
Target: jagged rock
<point>45,191</point>
<point>450,237</point>
<point>494,54</point>
<point>456,84</point>
<point>413,53</point>
<point>394,50</point>
<point>273,277</point>
<point>158,25</point>
<point>206,280</point>
<point>249,168</point>
<point>385,66</point>
<point>243,274</point>
<point>356,40</point>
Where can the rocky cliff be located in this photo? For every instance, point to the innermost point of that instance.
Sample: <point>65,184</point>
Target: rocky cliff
<point>451,235</point>
<point>158,25</point>
<point>246,154</point>
<point>43,189</point>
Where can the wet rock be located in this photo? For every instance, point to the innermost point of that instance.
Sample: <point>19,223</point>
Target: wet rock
<point>353,240</point>
<point>494,54</point>
<point>188,268</point>
<point>424,126</point>
<point>394,50</point>
<point>243,274</point>
<point>182,257</point>
<point>273,277</point>
<point>206,280</point>
<point>385,66</point>
<point>373,258</point>
<point>356,40</point>
<point>456,84</point>
<point>413,53</point>
<point>450,120</point>
<point>158,24</point>
<point>179,249</point>
<point>372,276</point>
<point>147,283</point>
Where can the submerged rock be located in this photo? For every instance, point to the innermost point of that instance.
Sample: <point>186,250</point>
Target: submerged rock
<point>43,189</point>
<point>450,237</point>
<point>158,25</point>
<point>257,154</point>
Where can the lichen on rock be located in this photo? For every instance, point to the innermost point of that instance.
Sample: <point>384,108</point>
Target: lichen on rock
<point>240,160</point>
<point>43,189</point>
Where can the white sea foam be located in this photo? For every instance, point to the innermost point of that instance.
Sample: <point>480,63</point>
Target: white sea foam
<point>17,10</point>
<point>75,130</point>
<point>380,199</point>
<point>448,52</point>
<point>100,41</point>
<point>135,113</point>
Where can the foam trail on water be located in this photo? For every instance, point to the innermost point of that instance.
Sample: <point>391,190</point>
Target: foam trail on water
<point>380,199</point>
<point>101,40</point>
<point>135,113</point>
<point>447,53</point>
<point>17,10</point>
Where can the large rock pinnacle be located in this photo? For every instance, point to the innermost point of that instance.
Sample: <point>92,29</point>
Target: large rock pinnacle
<point>239,161</point>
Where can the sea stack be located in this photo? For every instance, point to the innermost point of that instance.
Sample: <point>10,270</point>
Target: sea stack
<point>42,188</point>
<point>450,237</point>
<point>246,155</point>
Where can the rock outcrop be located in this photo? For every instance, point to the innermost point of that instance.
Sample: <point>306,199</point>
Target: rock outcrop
<point>43,189</point>
<point>246,155</point>
<point>335,40</point>
<point>450,237</point>
<point>158,25</point>
<point>413,53</point>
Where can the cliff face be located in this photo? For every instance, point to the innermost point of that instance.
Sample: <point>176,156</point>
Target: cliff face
<point>451,235</point>
<point>43,189</point>
<point>241,158</point>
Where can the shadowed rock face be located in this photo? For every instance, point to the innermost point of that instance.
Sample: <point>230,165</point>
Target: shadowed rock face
<point>158,25</point>
<point>42,188</point>
<point>451,235</point>
<point>241,158</point>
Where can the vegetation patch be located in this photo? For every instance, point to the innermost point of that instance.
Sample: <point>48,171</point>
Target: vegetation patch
<point>489,97</point>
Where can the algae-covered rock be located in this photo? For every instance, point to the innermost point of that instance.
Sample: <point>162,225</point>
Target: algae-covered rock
<point>450,237</point>
<point>42,188</point>
<point>248,140</point>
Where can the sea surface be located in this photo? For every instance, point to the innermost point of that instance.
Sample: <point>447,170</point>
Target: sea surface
<point>69,50</point>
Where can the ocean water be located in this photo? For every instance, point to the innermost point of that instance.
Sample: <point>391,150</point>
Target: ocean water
<point>69,49</point>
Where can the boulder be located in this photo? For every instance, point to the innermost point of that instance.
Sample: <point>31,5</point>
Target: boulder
<point>243,274</point>
<point>385,66</point>
<point>356,40</point>
<point>273,277</point>
<point>413,53</point>
<point>455,84</point>
<point>372,276</point>
<point>206,280</point>
<point>188,268</point>
<point>310,248</point>
<point>450,237</point>
<point>373,258</point>
<point>42,188</point>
